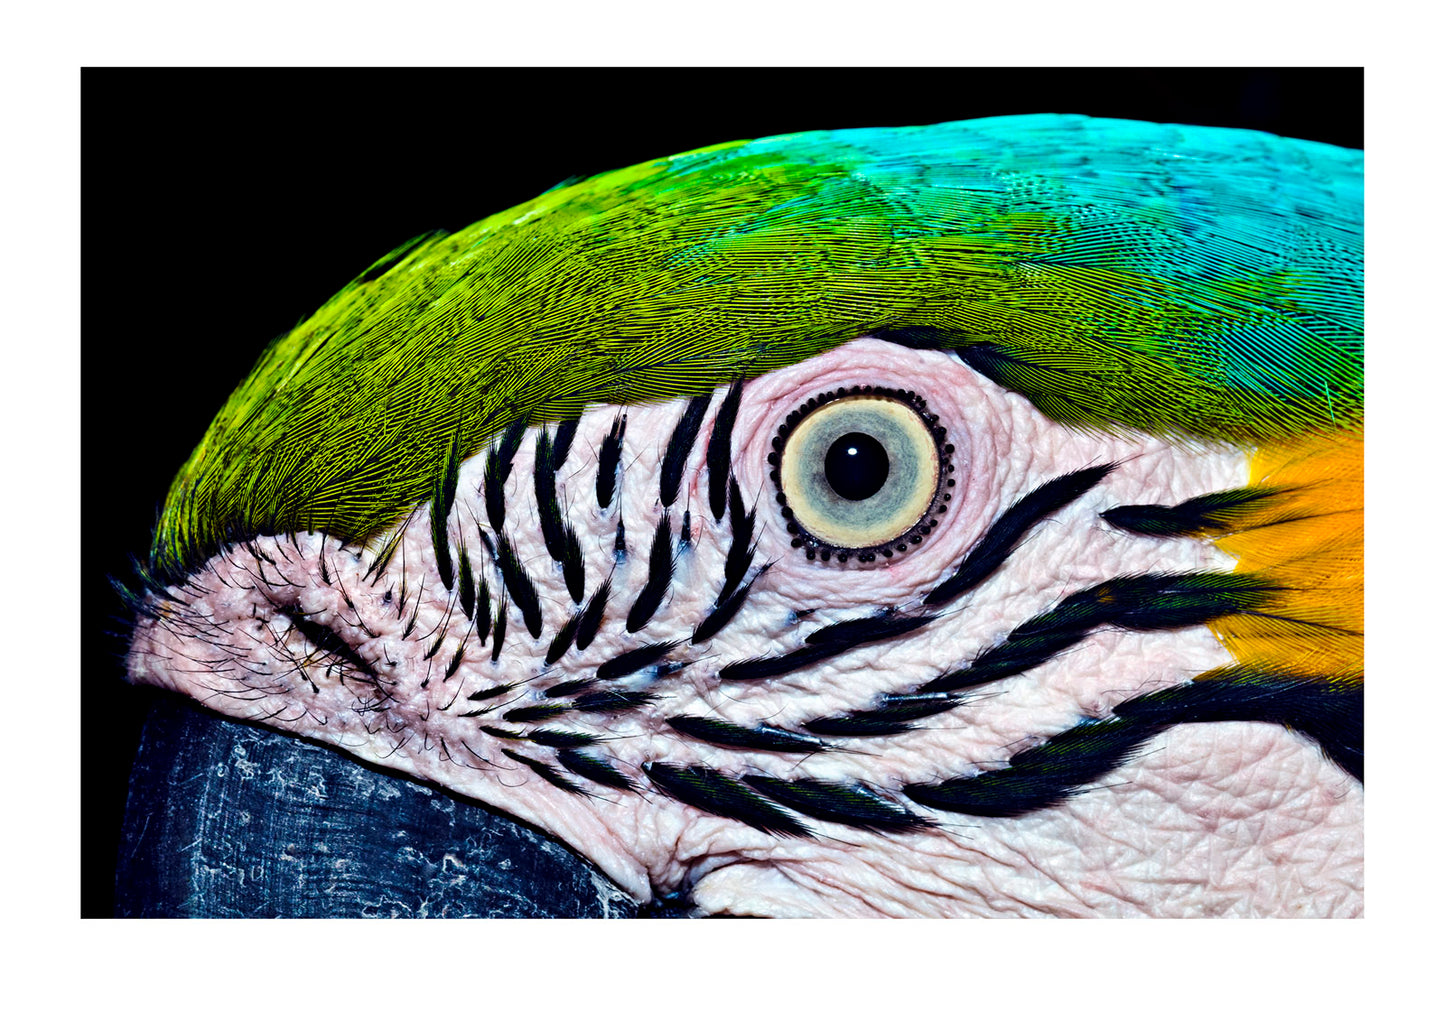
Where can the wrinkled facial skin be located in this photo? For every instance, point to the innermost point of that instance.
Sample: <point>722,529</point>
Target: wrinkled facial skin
<point>827,794</point>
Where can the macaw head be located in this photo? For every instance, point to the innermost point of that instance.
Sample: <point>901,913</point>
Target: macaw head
<point>948,520</point>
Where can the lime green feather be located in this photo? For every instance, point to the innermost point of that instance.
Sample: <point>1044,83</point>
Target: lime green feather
<point>1186,281</point>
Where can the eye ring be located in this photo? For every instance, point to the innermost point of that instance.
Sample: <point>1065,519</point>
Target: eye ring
<point>836,517</point>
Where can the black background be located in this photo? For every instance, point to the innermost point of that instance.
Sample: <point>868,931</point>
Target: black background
<point>221,207</point>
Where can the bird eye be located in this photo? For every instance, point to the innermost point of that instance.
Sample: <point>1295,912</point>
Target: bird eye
<point>861,472</point>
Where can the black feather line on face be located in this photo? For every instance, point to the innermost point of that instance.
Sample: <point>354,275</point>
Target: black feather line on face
<point>1152,602</point>
<point>674,459</point>
<point>562,443</point>
<point>558,536</point>
<point>519,586</point>
<point>1329,709</point>
<point>892,714</point>
<point>509,444</point>
<point>741,549</point>
<point>717,794</point>
<point>609,458</point>
<point>725,611</point>
<point>442,498</point>
<point>325,640</point>
<point>1007,659</point>
<point>594,769</point>
<point>493,493</point>
<point>566,688</point>
<point>764,667</point>
<point>456,661</point>
<point>659,576</point>
<point>853,804</point>
<point>1042,776</point>
<point>732,735</point>
<point>501,733</point>
<point>562,641</point>
<point>591,617</point>
<point>546,772</point>
<point>846,634</point>
<point>1209,514</point>
<point>989,553</point>
<point>561,738</point>
<point>535,713</point>
<point>634,660</point>
<point>608,702</point>
<point>499,469</point>
<point>826,642</point>
<point>619,545</point>
<point>544,486</point>
<point>484,611</point>
<point>499,628</point>
<point>467,594</point>
<point>720,451</point>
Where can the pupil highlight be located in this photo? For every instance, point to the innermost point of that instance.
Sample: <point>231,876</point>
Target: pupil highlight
<point>856,466</point>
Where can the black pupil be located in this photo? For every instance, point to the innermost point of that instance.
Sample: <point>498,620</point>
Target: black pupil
<point>856,466</point>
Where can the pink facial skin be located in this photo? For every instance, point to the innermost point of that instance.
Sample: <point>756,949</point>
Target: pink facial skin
<point>1207,819</point>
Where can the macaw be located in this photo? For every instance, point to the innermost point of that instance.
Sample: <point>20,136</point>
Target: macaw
<point>949,520</point>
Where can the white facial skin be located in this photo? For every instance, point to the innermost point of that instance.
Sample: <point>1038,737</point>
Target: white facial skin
<point>1207,819</point>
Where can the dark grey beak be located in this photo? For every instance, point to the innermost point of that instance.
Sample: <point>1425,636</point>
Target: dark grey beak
<point>225,820</point>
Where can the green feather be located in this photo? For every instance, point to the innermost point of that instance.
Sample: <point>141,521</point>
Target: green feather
<point>1185,281</point>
